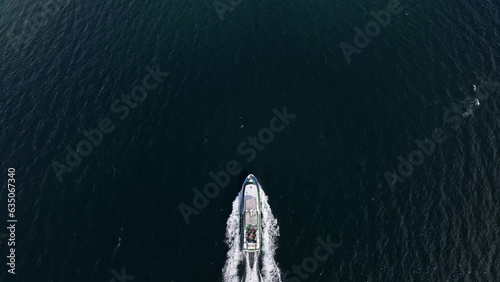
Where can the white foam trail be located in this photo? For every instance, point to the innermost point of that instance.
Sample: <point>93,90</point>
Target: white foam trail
<point>252,273</point>
<point>270,234</point>
<point>234,254</point>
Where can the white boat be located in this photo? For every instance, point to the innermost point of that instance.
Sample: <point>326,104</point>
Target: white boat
<point>251,216</point>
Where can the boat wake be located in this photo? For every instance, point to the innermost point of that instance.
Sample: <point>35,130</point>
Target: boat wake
<point>233,241</point>
<point>235,257</point>
<point>270,234</point>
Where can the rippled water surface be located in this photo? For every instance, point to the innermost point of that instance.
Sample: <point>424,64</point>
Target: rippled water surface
<point>324,173</point>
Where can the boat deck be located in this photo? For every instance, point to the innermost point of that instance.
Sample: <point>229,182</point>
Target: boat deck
<point>251,229</point>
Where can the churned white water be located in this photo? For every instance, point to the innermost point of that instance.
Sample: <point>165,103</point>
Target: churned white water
<point>270,234</point>
<point>233,239</point>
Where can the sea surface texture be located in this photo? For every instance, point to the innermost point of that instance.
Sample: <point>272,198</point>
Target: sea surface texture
<point>390,150</point>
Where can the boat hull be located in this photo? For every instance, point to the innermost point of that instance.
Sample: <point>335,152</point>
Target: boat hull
<point>251,216</point>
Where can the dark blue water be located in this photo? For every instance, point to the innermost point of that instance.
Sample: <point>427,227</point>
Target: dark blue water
<point>323,174</point>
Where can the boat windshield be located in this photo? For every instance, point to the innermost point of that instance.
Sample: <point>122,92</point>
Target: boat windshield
<point>251,218</point>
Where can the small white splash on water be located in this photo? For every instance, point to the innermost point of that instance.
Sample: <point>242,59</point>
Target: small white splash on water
<point>473,105</point>
<point>270,234</point>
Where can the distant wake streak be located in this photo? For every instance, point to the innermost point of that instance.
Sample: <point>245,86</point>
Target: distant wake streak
<point>270,233</point>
